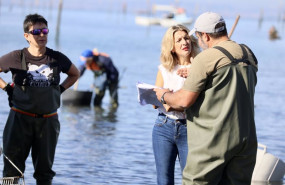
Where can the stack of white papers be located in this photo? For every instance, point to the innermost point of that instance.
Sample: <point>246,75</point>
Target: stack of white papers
<point>146,95</point>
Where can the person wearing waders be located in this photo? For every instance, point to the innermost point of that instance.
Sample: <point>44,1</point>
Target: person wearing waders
<point>106,75</point>
<point>218,95</point>
<point>34,97</point>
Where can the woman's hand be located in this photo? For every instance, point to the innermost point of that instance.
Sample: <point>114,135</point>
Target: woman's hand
<point>183,72</point>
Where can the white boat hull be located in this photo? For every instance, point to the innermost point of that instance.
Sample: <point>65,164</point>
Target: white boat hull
<point>147,21</point>
<point>171,22</point>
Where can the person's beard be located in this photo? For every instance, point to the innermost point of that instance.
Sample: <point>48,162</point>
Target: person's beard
<point>203,45</point>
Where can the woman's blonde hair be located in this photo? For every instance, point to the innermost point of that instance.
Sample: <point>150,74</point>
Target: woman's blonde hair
<point>168,58</point>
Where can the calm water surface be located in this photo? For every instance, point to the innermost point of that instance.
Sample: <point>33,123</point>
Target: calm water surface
<point>108,146</point>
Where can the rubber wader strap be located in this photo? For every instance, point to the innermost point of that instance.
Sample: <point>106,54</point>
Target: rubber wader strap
<point>24,64</point>
<point>223,50</point>
<point>243,59</point>
<point>254,58</point>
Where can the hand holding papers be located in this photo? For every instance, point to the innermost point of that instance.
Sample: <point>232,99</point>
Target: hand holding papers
<point>146,95</point>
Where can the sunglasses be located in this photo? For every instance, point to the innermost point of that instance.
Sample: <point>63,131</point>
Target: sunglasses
<point>39,31</point>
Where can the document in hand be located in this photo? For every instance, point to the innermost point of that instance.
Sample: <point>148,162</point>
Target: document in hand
<point>146,95</point>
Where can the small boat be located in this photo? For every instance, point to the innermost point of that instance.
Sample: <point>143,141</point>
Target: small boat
<point>76,97</point>
<point>173,21</point>
<point>147,21</point>
<point>171,16</point>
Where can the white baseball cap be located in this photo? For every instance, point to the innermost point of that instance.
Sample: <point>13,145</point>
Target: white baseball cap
<point>207,22</point>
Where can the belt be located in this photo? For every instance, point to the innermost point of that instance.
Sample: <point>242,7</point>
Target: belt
<point>183,121</point>
<point>34,115</point>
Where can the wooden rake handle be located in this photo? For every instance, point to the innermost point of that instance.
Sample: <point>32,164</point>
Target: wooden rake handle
<point>234,26</point>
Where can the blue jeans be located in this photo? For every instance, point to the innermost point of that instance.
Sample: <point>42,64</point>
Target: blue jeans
<point>169,140</point>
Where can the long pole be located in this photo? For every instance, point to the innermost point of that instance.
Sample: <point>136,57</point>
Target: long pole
<point>234,26</point>
<point>58,22</point>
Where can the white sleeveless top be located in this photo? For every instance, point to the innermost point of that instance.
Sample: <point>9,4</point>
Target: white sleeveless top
<point>173,82</point>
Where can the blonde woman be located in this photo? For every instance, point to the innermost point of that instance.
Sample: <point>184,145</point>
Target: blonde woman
<point>169,135</point>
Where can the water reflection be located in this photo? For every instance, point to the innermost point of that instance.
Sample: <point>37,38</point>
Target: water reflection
<point>101,120</point>
<point>107,114</point>
<point>99,113</point>
<point>266,183</point>
<point>89,133</point>
<point>104,121</point>
<point>74,109</point>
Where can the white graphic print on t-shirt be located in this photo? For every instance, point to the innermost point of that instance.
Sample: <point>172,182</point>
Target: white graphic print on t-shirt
<point>39,76</point>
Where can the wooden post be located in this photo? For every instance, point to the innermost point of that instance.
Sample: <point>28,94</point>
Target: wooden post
<point>260,20</point>
<point>58,23</point>
<point>234,26</point>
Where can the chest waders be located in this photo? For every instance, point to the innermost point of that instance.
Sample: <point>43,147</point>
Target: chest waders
<point>221,128</point>
<point>33,124</point>
<point>101,83</point>
<point>35,100</point>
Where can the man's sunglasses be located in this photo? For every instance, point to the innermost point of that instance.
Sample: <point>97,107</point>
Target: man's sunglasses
<point>39,31</point>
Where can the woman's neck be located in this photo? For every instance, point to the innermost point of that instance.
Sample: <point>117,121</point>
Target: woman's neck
<point>37,52</point>
<point>184,60</point>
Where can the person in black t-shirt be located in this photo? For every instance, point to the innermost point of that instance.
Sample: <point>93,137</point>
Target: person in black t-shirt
<point>34,99</point>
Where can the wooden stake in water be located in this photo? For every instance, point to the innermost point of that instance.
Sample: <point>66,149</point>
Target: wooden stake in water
<point>58,23</point>
<point>260,20</point>
<point>0,8</point>
<point>234,26</point>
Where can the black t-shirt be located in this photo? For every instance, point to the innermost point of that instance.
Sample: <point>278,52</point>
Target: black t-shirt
<point>39,69</point>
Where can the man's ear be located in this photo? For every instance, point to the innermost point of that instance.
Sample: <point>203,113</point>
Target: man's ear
<point>207,37</point>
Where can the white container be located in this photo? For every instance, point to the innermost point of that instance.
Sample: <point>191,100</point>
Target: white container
<point>267,166</point>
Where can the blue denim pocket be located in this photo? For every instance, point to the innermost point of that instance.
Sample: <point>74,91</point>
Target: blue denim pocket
<point>160,120</point>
